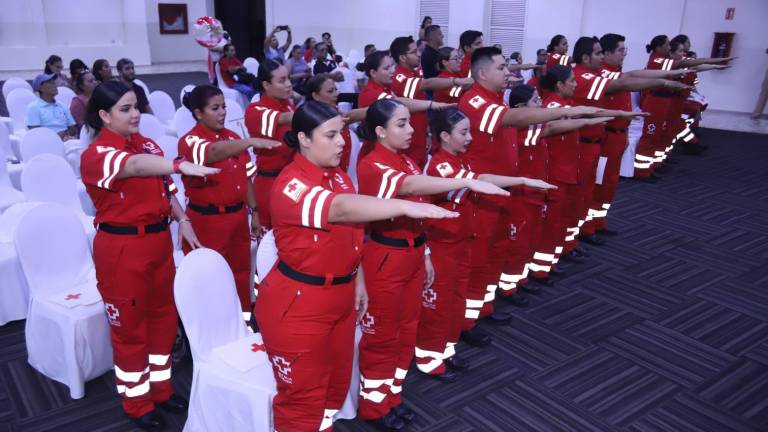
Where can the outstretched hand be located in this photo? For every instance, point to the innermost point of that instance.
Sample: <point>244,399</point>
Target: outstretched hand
<point>426,211</point>
<point>538,184</point>
<point>190,169</point>
<point>484,187</point>
<point>260,143</point>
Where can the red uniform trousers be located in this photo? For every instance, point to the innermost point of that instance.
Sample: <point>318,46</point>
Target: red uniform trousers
<point>654,134</point>
<point>590,156</point>
<point>394,278</point>
<point>442,306</point>
<point>309,334</point>
<point>614,145</point>
<point>262,188</point>
<point>524,225</point>
<point>549,245</point>
<point>229,235</point>
<point>135,279</point>
<point>677,124</point>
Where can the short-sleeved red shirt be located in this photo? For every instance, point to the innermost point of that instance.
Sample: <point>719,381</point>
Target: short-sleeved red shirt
<point>225,63</point>
<point>591,91</point>
<point>563,148</point>
<point>225,188</point>
<point>299,204</point>
<point>381,174</point>
<point>261,121</point>
<point>465,67</point>
<point>372,92</point>
<point>450,94</point>
<point>659,62</point>
<point>616,101</point>
<point>131,201</point>
<point>493,149</point>
<point>534,159</point>
<point>444,164</point>
<point>407,83</point>
<point>535,82</point>
<point>558,59</point>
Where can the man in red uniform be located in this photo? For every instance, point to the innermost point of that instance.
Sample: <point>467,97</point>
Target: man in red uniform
<point>469,41</point>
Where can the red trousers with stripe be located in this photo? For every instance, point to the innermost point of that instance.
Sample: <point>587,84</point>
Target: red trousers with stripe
<point>394,278</point>
<point>309,334</point>
<point>229,235</point>
<point>525,222</point>
<point>561,210</point>
<point>443,305</point>
<point>654,134</point>
<point>590,157</point>
<point>614,145</point>
<point>134,276</point>
<point>262,188</point>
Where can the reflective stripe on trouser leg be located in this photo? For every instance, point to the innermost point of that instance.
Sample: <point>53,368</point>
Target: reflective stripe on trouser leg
<point>508,282</point>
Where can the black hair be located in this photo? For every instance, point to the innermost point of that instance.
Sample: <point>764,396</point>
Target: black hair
<point>424,20</point>
<point>540,51</point>
<point>554,42</point>
<point>104,97</point>
<point>681,38</point>
<point>306,41</point>
<point>372,62</point>
<point>515,55</point>
<point>674,45</point>
<point>468,38</point>
<point>306,119</point>
<point>610,42</point>
<point>542,65</point>
<point>80,78</point>
<point>367,47</point>
<point>428,31</point>
<point>325,33</point>
<point>53,58</point>
<point>198,98</point>
<point>445,54</point>
<point>75,66</point>
<point>445,121</point>
<point>399,46</point>
<point>584,46</point>
<point>264,73</point>
<point>656,42</point>
<point>555,74</point>
<point>378,114</point>
<point>226,47</point>
<point>483,55</point>
<point>319,44</point>
<point>691,54</point>
<point>294,48</point>
<point>122,63</point>
<point>520,94</point>
<point>96,69</point>
<point>314,84</point>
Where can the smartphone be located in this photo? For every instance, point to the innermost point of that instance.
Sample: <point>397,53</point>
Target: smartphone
<point>282,27</point>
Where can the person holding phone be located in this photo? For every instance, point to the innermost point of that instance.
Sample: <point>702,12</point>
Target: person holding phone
<point>272,48</point>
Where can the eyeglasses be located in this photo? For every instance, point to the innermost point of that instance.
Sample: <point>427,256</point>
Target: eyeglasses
<point>453,59</point>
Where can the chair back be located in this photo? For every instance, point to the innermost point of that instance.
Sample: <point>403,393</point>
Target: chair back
<point>162,105</point>
<point>150,127</point>
<point>252,65</point>
<point>5,145</point>
<point>183,121</point>
<point>41,140</point>
<point>65,96</point>
<point>142,85</point>
<point>17,101</point>
<point>49,178</point>
<point>12,84</point>
<point>169,145</point>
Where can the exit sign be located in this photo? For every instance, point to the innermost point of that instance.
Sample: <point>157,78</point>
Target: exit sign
<point>729,13</point>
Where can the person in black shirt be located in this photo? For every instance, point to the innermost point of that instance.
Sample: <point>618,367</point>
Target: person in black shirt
<point>323,64</point>
<point>430,58</point>
<point>127,74</point>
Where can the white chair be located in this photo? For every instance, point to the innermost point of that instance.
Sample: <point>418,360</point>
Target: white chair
<point>183,121</point>
<point>142,85</point>
<point>353,58</point>
<point>187,88</point>
<point>9,146</point>
<point>228,92</point>
<point>17,102</point>
<point>635,131</point>
<point>67,333</point>
<point>232,383</point>
<point>86,137</point>
<point>65,96</point>
<point>14,290</point>
<point>256,98</point>
<point>8,194</point>
<point>73,150</point>
<point>49,179</point>
<point>12,84</point>
<point>41,140</point>
<point>169,145</point>
<point>234,110</point>
<point>151,127</point>
<point>354,154</point>
<point>162,106</point>
<point>252,65</point>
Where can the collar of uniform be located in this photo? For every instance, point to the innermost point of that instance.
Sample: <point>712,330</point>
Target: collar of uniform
<point>204,132</point>
<point>109,138</point>
<point>497,98</point>
<point>311,170</point>
<point>44,102</point>
<point>655,56</point>
<point>457,159</point>
<point>400,69</point>
<point>610,67</point>
<point>387,156</point>
<point>275,104</point>
<point>446,74</point>
<point>378,86</point>
<point>579,69</point>
<point>554,97</point>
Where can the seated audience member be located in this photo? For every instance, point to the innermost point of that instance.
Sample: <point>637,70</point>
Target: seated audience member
<point>430,57</point>
<point>541,56</point>
<point>272,48</point>
<point>102,70</point>
<point>55,66</point>
<point>217,52</point>
<point>75,67</point>
<point>362,79</point>
<point>426,22</point>
<point>308,49</point>
<point>46,112</point>
<point>298,70</point>
<point>85,82</point>
<point>328,42</point>
<point>420,44</point>
<point>234,73</point>
<point>323,64</point>
<point>127,73</point>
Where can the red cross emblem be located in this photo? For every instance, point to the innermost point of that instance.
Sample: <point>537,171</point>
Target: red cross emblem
<point>72,296</point>
<point>257,347</point>
<point>113,314</point>
<point>291,187</point>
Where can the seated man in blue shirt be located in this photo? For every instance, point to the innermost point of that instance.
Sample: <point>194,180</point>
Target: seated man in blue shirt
<point>46,112</point>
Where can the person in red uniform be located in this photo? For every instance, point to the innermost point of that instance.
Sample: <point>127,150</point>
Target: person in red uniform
<point>449,241</point>
<point>270,118</point>
<point>218,205</point>
<point>469,41</point>
<point>129,182</point>
<point>322,88</point>
<point>408,82</point>
<point>449,69</point>
<point>558,45</point>
<point>394,262</point>
<point>309,303</point>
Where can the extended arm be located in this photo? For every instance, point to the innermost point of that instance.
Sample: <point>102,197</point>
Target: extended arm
<point>146,165</point>
<point>221,150</point>
<point>529,116</point>
<point>428,185</point>
<point>557,127</point>
<point>362,208</point>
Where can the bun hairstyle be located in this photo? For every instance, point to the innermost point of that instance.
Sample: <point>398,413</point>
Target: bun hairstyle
<point>104,97</point>
<point>314,85</point>
<point>656,42</point>
<point>554,42</point>
<point>555,74</point>
<point>520,94</point>
<point>681,38</point>
<point>379,113</point>
<point>306,119</point>
<point>265,73</point>
<point>372,62</point>
<point>198,98</point>
<point>445,121</point>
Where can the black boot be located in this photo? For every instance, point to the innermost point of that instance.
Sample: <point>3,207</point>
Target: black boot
<point>405,413</point>
<point>476,337</point>
<point>457,363</point>
<point>149,421</point>
<point>593,239</point>
<point>516,299</point>
<point>530,289</point>
<point>498,318</point>
<point>175,404</point>
<point>389,422</point>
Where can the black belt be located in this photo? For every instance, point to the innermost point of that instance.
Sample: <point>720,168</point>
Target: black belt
<point>403,243</point>
<point>310,279</point>
<point>590,140</point>
<point>211,209</point>
<point>664,94</point>
<point>614,130</point>
<point>133,230</point>
<point>274,173</point>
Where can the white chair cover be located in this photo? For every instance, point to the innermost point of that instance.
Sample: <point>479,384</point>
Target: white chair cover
<point>73,149</point>
<point>183,121</point>
<point>354,154</point>
<point>13,83</point>
<point>13,290</point>
<point>634,133</point>
<point>151,127</point>
<point>232,383</point>
<point>234,110</point>
<point>8,194</point>
<point>17,101</point>
<point>67,340</point>
<point>86,137</point>
<point>169,145</point>
<point>162,106</point>
<point>5,145</point>
<point>41,140</point>
<point>65,96</point>
<point>252,65</point>
<point>143,85</point>
<point>256,98</point>
<point>266,255</point>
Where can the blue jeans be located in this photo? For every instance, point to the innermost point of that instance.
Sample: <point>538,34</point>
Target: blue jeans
<point>245,89</point>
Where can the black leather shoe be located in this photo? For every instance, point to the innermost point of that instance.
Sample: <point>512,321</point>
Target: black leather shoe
<point>543,281</point>
<point>661,169</point>
<point>593,239</point>
<point>499,318</point>
<point>448,376</point>
<point>608,232</point>
<point>574,257</point>
<point>530,289</point>
<point>476,337</point>
<point>516,299</point>
<point>580,251</point>
<point>149,421</point>
<point>656,175</point>
<point>389,422</point>
<point>457,363</point>
<point>175,403</point>
<point>558,271</point>
<point>693,149</point>
<point>405,413</point>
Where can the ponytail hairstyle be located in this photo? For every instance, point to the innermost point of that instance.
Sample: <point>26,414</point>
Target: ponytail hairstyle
<point>306,119</point>
<point>445,121</point>
<point>378,114</point>
<point>198,98</point>
<point>555,74</point>
<point>264,73</point>
<point>50,61</point>
<point>656,42</point>
<point>372,62</point>
<point>520,95</point>
<point>554,42</point>
<point>445,54</point>
<point>104,97</point>
<point>314,85</point>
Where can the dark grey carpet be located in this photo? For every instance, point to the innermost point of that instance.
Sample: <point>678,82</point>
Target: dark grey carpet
<point>664,329</point>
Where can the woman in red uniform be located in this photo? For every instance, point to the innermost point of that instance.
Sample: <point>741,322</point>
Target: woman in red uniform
<point>449,68</point>
<point>449,241</point>
<point>128,180</point>
<point>270,118</point>
<point>396,269</point>
<point>309,302</point>
<point>218,205</point>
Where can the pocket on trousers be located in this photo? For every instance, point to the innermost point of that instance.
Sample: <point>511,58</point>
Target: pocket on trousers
<point>121,311</point>
<point>283,365</point>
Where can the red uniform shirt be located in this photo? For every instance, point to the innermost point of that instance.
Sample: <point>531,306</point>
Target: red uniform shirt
<point>590,90</point>
<point>445,165</point>
<point>535,82</point>
<point>381,174</point>
<point>406,83</point>
<point>555,59</point>
<point>300,202</point>
<point>534,157</point>
<point>372,92</point>
<point>616,101</point>
<point>448,95</point>
<point>659,62</point>
<point>224,64</point>
<point>129,201</point>
<point>493,149</point>
<point>261,121</point>
<point>229,186</point>
<point>563,148</point>
<point>465,67</point>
